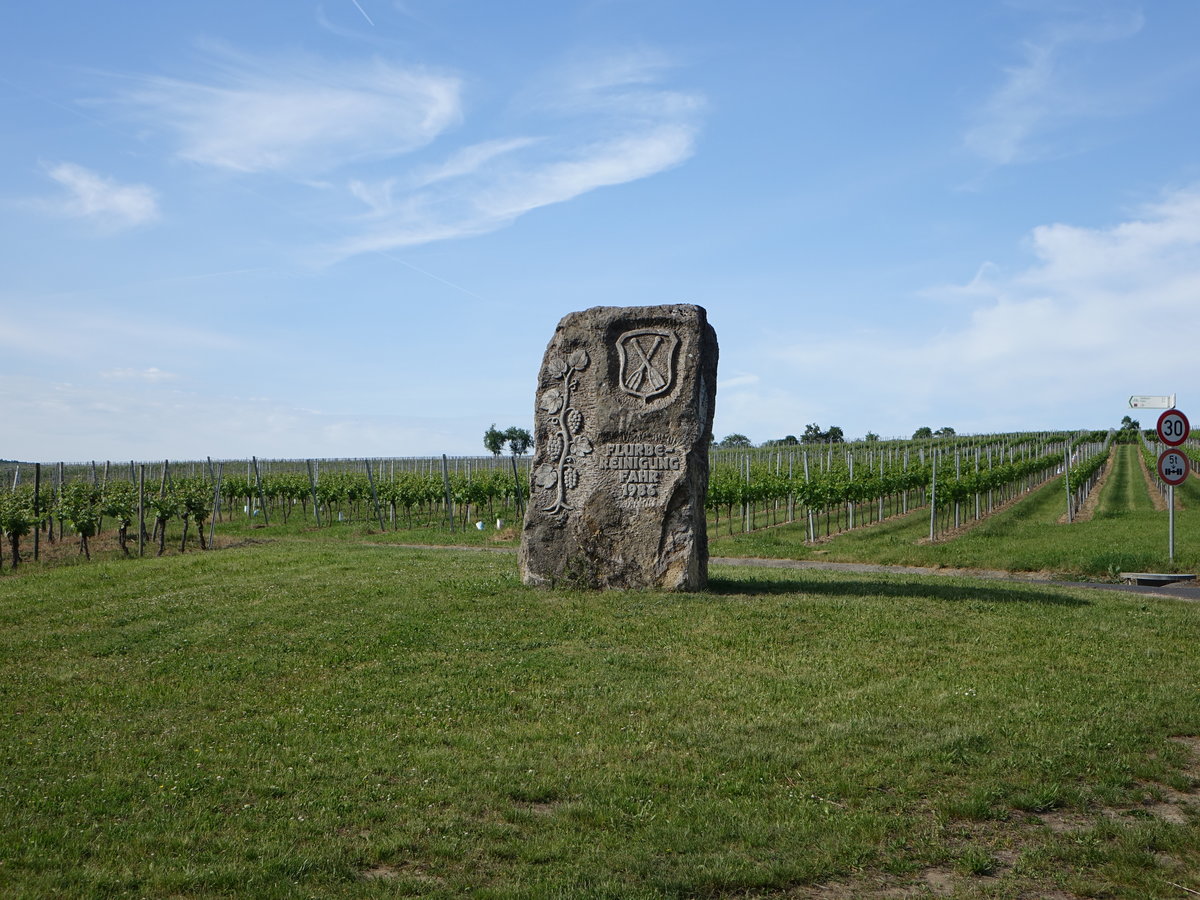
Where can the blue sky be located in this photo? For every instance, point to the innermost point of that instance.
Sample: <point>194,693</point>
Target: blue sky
<point>349,228</point>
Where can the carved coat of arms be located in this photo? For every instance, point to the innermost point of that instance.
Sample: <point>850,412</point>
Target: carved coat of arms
<point>647,358</point>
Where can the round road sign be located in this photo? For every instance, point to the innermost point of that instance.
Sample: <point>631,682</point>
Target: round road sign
<point>1173,427</point>
<point>1173,467</point>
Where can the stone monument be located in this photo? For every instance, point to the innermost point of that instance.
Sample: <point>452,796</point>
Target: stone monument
<point>622,427</point>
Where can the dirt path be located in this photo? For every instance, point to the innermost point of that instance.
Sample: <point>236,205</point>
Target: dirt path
<point>1085,512</point>
<point>1159,501</point>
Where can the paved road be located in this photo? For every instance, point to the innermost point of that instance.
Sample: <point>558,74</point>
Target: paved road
<point>1182,591</point>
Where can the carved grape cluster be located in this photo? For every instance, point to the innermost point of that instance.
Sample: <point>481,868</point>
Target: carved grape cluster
<point>560,473</point>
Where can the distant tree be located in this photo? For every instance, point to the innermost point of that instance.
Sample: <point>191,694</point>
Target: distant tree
<point>923,432</point>
<point>834,435</point>
<point>945,432</point>
<point>519,440</point>
<point>736,441</point>
<point>871,437</point>
<point>494,440</point>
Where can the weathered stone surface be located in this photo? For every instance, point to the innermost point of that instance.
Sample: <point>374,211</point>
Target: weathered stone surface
<point>623,423</point>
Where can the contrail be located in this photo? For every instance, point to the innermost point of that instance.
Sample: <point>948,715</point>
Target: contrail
<point>363,11</point>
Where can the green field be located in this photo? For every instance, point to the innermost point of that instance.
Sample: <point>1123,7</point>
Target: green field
<point>293,718</point>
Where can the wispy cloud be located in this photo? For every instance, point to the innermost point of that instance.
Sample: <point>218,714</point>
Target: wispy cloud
<point>150,375</point>
<point>98,199</point>
<point>298,115</point>
<point>606,125</point>
<point>357,126</point>
<point>1044,93</point>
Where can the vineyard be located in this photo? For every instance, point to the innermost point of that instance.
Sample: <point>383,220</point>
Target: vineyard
<point>827,490</point>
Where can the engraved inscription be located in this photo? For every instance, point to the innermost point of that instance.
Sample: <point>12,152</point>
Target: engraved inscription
<point>641,470</point>
<point>647,357</point>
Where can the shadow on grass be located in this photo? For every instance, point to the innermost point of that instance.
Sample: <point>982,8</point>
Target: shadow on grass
<point>898,589</point>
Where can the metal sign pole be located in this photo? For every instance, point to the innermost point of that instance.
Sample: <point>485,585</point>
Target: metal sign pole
<point>1171,522</point>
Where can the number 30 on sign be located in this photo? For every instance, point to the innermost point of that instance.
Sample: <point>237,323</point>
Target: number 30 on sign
<point>1173,428</point>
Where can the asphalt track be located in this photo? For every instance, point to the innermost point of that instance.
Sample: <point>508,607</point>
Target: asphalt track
<point>1186,591</point>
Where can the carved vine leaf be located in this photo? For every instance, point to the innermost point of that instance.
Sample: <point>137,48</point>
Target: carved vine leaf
<point>552,400</point>
<point>579,359</point>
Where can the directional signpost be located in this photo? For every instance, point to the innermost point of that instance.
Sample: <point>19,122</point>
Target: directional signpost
<point>1152,401</point>
<point>1173,463</point>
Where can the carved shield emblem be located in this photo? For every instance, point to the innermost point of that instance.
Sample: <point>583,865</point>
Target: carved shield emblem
<point>647,358</point>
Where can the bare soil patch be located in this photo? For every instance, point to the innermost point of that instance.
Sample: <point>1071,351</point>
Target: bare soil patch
<point>1160,502</point>
<point>1088,510</point>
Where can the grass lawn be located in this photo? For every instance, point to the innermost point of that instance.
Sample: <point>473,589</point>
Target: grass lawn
<point>328,719</point>
<point>1126,534</point>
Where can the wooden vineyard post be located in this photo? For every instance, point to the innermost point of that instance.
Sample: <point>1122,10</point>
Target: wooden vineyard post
<point>791,487</point>
<point>746,524</point>
<point>446,488</point>
<point>881,482</point>
<point>212,522</point>
<point>262,503</point>
<point>517,486</point>
<point>977,484</point>
<point>932,494</point>
<point>957,477</point>
<point>374,495</point>
<point>103,487</point>
<point>312,486</point>
<point>37,517</point>
<point>850,504</point>
<point>142,510</point>
<point>812,535</point>
<point>58,490</point>
<point>1067,479</point>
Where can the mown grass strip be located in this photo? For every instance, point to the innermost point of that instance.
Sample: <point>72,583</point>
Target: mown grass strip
<point>333,720</point>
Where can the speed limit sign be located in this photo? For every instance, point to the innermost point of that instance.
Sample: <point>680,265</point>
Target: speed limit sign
<point>1173,428</point>
<point>1173,467</point>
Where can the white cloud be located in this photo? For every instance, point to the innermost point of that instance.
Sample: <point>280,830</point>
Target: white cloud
<point>610,125</point>
<point>299,115</point>
<point>1043,94</point>
<point>151,374</point>
<point>1100,313</point>
<point>102,200</point>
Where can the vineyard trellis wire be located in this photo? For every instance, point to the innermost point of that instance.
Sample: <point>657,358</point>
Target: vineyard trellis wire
<point>392,492</point>
<point>830,488</point>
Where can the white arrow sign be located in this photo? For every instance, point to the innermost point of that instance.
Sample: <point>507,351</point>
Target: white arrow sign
<point>1159,401</point>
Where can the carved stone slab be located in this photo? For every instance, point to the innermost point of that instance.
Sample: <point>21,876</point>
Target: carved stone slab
<point>622,427</point>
